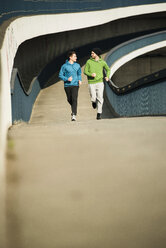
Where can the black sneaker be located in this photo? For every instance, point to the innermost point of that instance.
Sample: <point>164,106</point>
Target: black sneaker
<point>94,105</point>
<point>98,116</point>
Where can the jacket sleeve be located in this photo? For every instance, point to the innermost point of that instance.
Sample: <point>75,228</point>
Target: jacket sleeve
<point>86,70</point>
<point>107,69</point>
<point>79,74</point>
<point>62,74</point>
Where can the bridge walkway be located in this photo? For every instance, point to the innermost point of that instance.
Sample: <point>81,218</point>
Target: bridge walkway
<point>85,184</point>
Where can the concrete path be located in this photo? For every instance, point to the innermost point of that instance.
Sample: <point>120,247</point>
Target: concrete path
<point>85,184</point>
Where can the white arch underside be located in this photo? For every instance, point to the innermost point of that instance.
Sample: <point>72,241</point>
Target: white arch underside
<point>128,57</point>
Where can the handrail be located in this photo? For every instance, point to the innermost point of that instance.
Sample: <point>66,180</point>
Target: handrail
<point>141,82</point>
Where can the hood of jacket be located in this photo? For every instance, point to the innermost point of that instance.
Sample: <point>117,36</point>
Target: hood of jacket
<point>95,60</point>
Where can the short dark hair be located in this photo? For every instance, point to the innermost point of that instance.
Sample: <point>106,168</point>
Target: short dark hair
<point>70,53</point>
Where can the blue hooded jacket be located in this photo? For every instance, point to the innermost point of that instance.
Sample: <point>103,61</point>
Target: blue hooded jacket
<point>70,70</point>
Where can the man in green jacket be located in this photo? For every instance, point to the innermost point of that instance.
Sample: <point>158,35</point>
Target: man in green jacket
<point>94,71</point>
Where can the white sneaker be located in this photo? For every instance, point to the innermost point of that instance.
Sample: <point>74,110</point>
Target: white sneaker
<point>73,118</point>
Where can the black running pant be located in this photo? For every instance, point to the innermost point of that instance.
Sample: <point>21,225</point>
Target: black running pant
<point>72,95</point>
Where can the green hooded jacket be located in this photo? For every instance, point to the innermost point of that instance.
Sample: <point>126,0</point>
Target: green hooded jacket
<point>93,66</point>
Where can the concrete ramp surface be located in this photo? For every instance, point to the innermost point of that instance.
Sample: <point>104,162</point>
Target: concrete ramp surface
<point>85,184</point>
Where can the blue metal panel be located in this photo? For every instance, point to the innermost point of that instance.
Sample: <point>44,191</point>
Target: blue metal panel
<point>149,100</point>
<point>22,104</point>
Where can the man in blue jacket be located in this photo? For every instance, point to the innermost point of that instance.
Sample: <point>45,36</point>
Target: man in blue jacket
<point>70,73</point>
